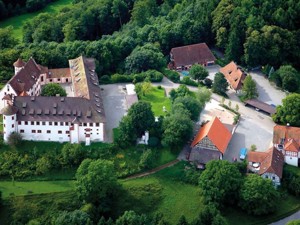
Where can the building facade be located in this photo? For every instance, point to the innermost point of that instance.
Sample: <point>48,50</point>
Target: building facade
<point>63,119</point>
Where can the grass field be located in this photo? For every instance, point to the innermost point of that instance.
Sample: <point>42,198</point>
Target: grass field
<point>18,21</point>
<point>34,187</point>
<point>157,99</point>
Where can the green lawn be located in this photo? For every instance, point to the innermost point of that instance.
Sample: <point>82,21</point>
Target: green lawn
<point>157,99</point>
<point>18,21</point>
<point>162,192</point>
<point>34,187</point>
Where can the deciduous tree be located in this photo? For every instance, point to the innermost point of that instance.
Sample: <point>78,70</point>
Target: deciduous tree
<point>220,84</point>
<point>249,88</point>
<point>258,196</point>
<point>53,89</point>
<point>198,72</point>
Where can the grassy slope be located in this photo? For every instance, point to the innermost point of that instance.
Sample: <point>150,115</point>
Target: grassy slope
<point>157,99</point>
<point>35,187</point>
<point>18,21</point>
<point>166,195</point>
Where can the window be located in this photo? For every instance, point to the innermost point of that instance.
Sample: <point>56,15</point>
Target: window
<point>39,131</point>
<point>33,131</point>
<point>91,124</point>
<point>67,123</point>
<point>32,123</point>
<point>3,117</point>
<point>60,132</point>
<point>50,123</point>
<point>58,79</point>
<point>97,124</point>
<point>273,178</point>
<point>26,123</point>
<point>21,131</point>
<point>55,123</point>
<point>48,131</point>
<point>12,117</point>
<point>37,123</point>
<point>67,132</point>
<point>19,123</point>
<point>12,125</point>
<point>43,123</point>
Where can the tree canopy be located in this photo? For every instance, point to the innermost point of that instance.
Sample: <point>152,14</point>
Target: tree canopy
<point>220,84</point>
<point>220,182</point>
<point>95,181</point>
<point>53,89</point>
<point>288,112</point>
<point>258,196</point>
<point>249,88</point>
<point>198,72</point>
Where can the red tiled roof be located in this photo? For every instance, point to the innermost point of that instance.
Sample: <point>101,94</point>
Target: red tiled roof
<point>26,77</point>
<point>270,161</point>
<point>19,63</point>
<point>58,73</point>
<point>292,145</point>
<point>286,133</point>
<point>234,75</point>
<point>216,132</point>
<point>192,54</point>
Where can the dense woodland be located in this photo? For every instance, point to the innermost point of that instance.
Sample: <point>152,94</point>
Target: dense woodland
<point>124,35</point>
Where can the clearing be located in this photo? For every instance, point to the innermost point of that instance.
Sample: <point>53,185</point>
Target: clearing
<point>18,21</point>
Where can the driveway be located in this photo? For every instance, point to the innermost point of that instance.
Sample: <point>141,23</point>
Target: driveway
<point>212,70</point>
<point>115,107</point>
<point>268,92</point>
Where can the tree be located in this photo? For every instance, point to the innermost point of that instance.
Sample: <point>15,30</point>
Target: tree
<point>177,130</point>
<point>181,91</point>
<point>95,181</point>
<point>119,9</point>
<point>198,72</point>
<point>141,116</point>
<point>288,112</point>
<point>203,95</point>
<point>220,84</point>
<point>147,159</point>
<point>43,165</point>
<point>220,182</point>
<point>191,104</point>
<point>182,221</point>
<point>6,38</point>
<point>143,58</point>
<point>127,135</point>
<point>14,139</point>
<point>249,88</point>
<point>258,196</point>
<point>210,215</point>
<point>75,217</point>
<point>131,218</point>
<point>72,154</point>
<point>286,77</point>
<point>293,222</point>
<point>53,89</point>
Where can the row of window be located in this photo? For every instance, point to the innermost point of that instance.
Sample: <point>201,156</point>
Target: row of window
<point>40,131</point>
<point>56,123</point>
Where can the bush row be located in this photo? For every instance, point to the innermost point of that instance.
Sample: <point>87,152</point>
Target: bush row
<point>152,75</point>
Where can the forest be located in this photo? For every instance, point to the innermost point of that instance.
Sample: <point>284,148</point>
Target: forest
<point>131,36</point>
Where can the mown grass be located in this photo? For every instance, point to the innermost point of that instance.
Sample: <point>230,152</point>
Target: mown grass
<point>18,21</point>
<point>156,97</point>
<point>34,187</point>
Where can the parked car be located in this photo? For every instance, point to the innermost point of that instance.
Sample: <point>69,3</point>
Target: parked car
<point>243,153</point>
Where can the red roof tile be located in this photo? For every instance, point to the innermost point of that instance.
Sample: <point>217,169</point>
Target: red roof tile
<point>216,132</point>
<point>285,134</point>
<point>270,161</point>
<point>234,75</point>
<point>192,54</point>
<point>292,145</point>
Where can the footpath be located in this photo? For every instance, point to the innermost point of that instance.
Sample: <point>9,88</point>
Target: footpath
<point>153,170</point>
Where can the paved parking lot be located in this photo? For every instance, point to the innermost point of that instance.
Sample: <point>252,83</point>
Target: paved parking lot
<point>267,92</point>
<point>115,107</point>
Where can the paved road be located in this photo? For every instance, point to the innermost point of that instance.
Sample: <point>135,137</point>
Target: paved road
<point>295,216</point>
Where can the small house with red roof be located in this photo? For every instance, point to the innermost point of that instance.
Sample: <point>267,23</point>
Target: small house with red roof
<point>287,140</point>
<point>234,75</point>
<point>182,58</point>
<point>268,165</point>
<point>210,143</point>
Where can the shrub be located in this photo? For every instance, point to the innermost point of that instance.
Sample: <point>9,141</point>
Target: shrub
<point>207,82</point>
<point>105,79</point>
<point>153,75</point>
<point>172,75</point>
<point>147,159</point>
<point>153,142</point>
<point>189,81</point>
<point>14,139</point>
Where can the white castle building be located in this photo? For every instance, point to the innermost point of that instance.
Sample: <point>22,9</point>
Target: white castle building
<point>76,118</point>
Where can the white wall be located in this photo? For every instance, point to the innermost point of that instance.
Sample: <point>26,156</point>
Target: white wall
<point>7,89</point>
<point>273,177</point>
<point>9,126</point>
<point>291,160</point>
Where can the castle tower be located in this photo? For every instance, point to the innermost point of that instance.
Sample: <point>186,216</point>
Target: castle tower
<point>9,121</point>
<point>19,64</point>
